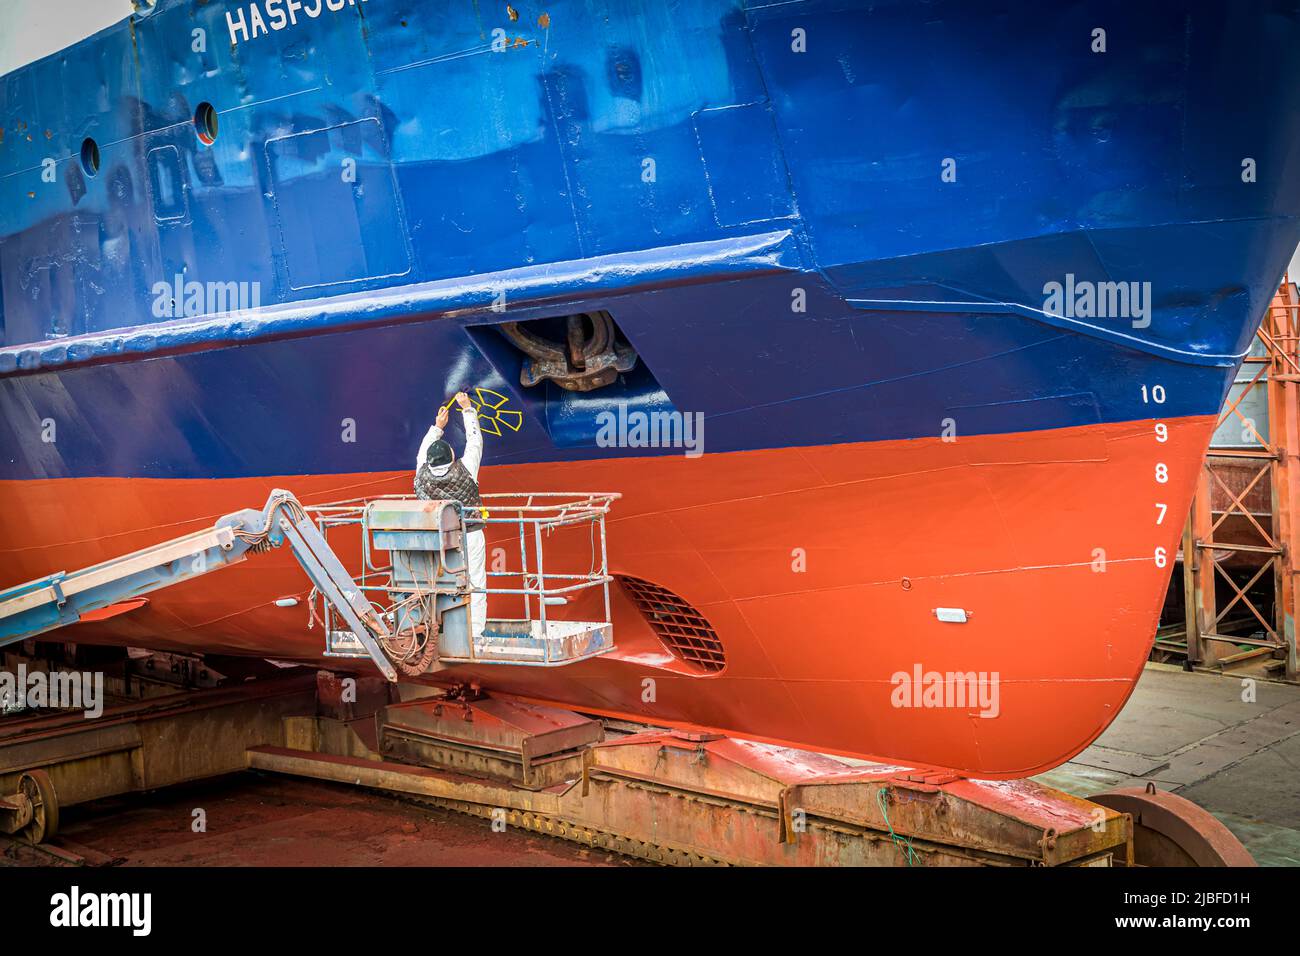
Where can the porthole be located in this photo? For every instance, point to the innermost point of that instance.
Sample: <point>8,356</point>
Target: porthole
<point>90,156</point>
<point>205,123</point>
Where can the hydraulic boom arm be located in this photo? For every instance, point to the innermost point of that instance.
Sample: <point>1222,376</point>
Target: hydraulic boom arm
<point>60,599</point>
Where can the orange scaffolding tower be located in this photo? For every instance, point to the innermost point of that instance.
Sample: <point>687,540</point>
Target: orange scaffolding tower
<point>1245,519</point>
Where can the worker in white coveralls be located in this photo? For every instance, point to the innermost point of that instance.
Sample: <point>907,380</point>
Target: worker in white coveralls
<point>439,476</point>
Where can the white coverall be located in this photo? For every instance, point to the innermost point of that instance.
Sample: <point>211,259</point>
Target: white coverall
<point>475,545</point>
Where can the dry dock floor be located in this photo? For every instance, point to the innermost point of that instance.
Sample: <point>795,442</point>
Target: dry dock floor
<point>1197,734</point>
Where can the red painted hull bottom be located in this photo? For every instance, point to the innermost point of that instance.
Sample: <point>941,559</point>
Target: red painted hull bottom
<point>820,569</point>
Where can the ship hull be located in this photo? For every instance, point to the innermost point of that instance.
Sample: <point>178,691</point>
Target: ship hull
<point>956,290</point>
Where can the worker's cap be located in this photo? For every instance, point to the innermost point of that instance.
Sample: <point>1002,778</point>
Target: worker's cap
<point>440,453</point>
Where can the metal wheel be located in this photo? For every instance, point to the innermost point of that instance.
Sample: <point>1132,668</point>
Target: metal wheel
<point>37,787</point>
<point>1169,830</point>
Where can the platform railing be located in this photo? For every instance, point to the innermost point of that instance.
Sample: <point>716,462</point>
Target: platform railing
<point>548,512</point>
<point>535,516</point>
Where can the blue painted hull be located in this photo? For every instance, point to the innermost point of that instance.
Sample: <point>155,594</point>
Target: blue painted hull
<point>393,162</point>
<point>281,406</point>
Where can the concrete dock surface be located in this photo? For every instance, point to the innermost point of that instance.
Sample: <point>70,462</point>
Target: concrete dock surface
<point>1226,743</point>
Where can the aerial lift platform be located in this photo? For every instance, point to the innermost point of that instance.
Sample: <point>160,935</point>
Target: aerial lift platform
<point>670,795</point>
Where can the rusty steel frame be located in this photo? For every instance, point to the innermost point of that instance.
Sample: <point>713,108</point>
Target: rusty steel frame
<point>146,744</point>
<point>1278,458</point>
<point>700,799</point>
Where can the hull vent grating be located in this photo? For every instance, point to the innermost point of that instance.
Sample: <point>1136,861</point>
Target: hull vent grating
<point>683,629</point>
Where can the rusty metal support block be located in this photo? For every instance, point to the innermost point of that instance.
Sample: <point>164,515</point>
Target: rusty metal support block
<point>676,797</point>
<point>345,698</point>
<point>530,745</point>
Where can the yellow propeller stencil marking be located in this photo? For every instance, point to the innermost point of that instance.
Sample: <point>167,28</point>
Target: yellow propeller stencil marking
<point>492,411</point>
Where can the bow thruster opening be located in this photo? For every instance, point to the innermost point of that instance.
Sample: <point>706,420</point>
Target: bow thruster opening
<point>679,624</point>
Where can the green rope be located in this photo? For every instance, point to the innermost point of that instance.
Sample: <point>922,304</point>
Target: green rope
<point>904,843</point>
